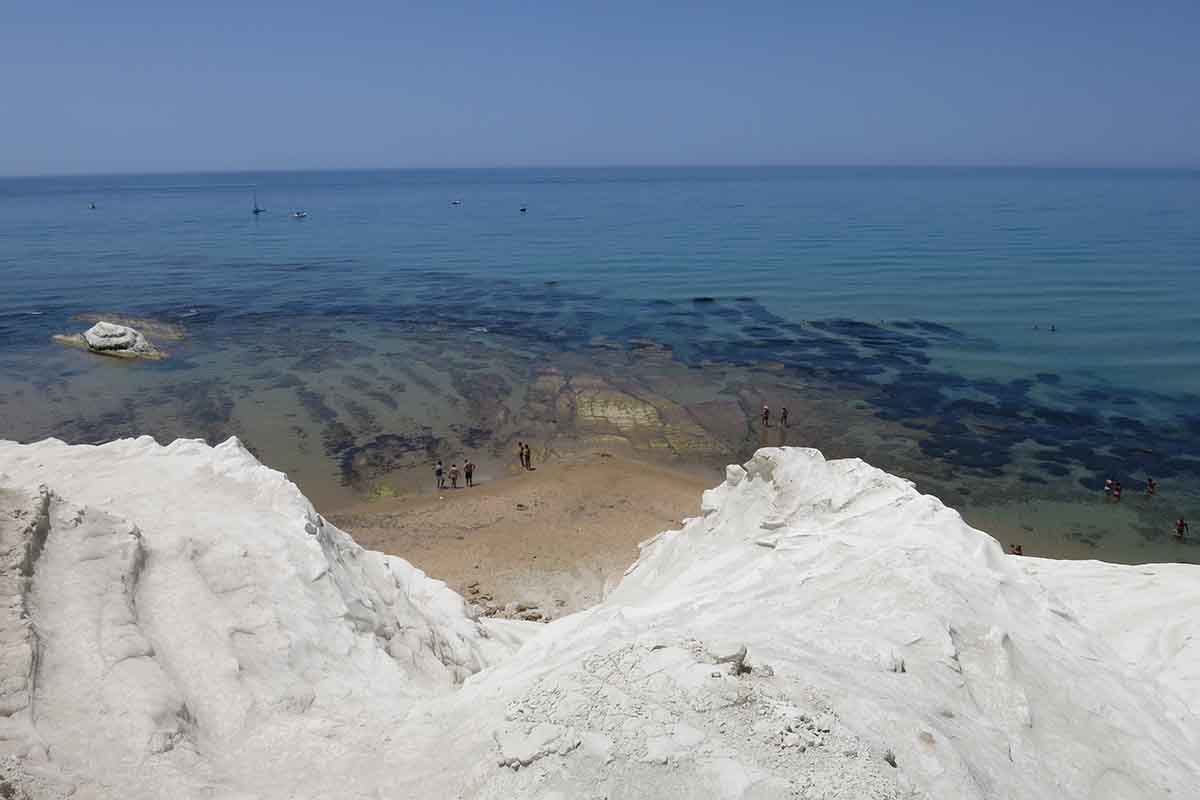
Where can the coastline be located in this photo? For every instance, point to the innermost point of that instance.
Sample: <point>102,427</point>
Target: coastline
<point>359,409</point>
<point>545,543</point>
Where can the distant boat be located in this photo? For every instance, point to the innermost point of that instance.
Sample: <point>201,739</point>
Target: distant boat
<point>257,210</point>
<point>523,209</point>
<point>92,206</point>
<point>456,202</point>
<point>299,214</point>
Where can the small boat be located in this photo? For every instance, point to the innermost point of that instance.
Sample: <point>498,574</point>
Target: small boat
<point>523,209</point>
<point>456,202</point>
<point>257,210</point>
<point>299,214</point>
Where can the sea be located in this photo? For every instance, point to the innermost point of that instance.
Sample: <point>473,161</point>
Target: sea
<point>1007,338</point>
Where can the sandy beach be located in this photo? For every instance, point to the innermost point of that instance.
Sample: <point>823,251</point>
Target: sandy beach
<point>543,543</point>
<point>548,540</point>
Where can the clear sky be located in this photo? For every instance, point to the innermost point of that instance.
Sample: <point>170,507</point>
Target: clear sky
<point>164,85</point>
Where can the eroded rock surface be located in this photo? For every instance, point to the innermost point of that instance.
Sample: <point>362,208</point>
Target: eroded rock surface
<point>822,630</point>
<point>110,339</point>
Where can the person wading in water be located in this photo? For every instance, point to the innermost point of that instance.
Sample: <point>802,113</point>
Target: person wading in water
<point>469,472</point>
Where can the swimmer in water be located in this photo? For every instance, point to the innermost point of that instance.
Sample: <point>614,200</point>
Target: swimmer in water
<point>1151,487</point>
<point>1181,527</point>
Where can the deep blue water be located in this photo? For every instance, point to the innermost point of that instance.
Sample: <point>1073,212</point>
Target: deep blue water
<point>932,291</point>
<point>1111,258</point>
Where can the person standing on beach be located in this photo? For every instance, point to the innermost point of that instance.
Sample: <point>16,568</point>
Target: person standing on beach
<point>1151,487</point>
<point>766,417</point>
<point>521,453</point>
<point>528,458</point>
<point>1117,491</point>
<point>469,473</point>
<point>454,476</point>
<point>1181,527</point>
<point>783,417</point>
<point>439,473</point>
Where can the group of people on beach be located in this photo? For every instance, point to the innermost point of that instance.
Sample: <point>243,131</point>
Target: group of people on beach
<point>1112,490</point>
<point>441,473</point>
<point>523,454</point>
<point>766,417</point>
<point>451,476</point>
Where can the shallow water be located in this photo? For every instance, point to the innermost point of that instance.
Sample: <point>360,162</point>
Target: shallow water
<point>891,310</point>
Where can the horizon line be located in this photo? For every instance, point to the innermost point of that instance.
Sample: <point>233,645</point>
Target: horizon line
<point>646,165</point>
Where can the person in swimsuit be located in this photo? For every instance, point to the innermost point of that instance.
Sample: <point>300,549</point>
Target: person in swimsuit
<point>454,476</point>
<point>1016,550</point>
<point>1151,487</point>
<point>439,472</point>
<point>766,417</point>
<point>783,417</point>
<point>1181,527</point>
<point>1117,491</point>
<point>521,453</point>
<point>528,458</point>
<point>1108,487</point>
<point>469,472</point>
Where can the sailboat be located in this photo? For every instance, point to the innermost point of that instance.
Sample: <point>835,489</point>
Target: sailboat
<point>257,210</point>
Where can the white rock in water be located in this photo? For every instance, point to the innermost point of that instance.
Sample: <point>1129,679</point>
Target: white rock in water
<point>194,638</point>
<point>112,339</point>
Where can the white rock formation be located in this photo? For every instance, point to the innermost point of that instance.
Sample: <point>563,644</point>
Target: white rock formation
<point>118,340</point>
<point>179,622</point>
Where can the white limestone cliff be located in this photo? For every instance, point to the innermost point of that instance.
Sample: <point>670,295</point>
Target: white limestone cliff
<point>179,622</point>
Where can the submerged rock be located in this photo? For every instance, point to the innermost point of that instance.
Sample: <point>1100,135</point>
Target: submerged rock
<point>105,337</point>
<point>110,339</point>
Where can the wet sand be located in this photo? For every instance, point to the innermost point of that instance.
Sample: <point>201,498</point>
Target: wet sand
<point>549,539</point>
<point>1076,530</point>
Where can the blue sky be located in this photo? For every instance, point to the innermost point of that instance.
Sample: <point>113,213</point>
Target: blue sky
<point>131,85</point>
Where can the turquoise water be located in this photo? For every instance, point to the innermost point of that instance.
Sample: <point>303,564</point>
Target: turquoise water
<point>927,295</point>
<point>1111,258</point>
